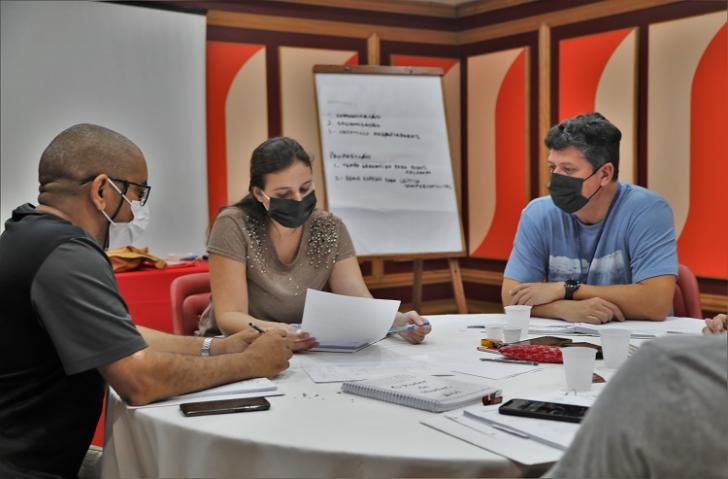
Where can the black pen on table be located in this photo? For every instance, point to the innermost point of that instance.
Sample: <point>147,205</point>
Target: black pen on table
<point>510,361</point>
<point>256,328</point>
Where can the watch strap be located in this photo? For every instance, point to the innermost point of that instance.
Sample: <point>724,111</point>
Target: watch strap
<point>206,345</point>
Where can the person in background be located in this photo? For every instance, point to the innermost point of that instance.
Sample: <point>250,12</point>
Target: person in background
<point>270,247</point>
<point>596,249</point>
<point>662,415</point>
<point>66,329</point>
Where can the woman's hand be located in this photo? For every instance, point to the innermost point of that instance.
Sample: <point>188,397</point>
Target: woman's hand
<point>416,335</point>
<point>297,340</point>
<point>300,340</point>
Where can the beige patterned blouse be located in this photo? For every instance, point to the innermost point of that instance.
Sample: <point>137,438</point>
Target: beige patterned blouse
<point>277,291</point>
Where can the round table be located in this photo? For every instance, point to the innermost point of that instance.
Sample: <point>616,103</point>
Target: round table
<point>315,429</point>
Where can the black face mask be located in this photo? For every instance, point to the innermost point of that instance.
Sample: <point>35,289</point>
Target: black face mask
<point>566,192</point>
<point>292,213</point>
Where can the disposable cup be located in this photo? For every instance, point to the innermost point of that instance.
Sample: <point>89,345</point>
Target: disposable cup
<point>511,335</point>
<point>615,346</point>
<point>518,316</point>
<point>494,331</point>
<point>579,367</point>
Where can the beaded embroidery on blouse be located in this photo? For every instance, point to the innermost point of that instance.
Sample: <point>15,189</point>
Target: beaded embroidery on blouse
<point>322,241</point>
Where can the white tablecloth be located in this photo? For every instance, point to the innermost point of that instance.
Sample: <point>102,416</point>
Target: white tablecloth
<point>314,429</point>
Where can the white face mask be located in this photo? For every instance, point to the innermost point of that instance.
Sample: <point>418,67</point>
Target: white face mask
<point>122,234</point>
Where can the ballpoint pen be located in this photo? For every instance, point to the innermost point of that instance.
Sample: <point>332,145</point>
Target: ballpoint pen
<point>256,328</point>
<point>407,327</point>
<point>509,361</point>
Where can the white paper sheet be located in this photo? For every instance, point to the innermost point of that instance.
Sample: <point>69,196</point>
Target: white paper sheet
<point>552,433</point>
<point>639,329</point>
<point>581,398</point>
<point>387,162</point>
<point>523,451</point>
<point>241,389</point>
<point>468,362</point>
<point>335,373</point>
<point>335,319</point>
<point>491,370</point>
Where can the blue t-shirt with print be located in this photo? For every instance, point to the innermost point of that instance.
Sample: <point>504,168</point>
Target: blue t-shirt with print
<point>635,241</point>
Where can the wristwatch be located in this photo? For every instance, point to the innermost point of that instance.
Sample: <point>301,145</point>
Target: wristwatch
<point>206,344</point>
<point>570,287</point>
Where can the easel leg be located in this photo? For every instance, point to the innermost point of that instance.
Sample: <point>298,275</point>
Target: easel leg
<point>417,266</point>
<point>457,285</point>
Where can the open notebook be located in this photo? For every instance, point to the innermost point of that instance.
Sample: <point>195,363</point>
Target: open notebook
<point>421,392</point>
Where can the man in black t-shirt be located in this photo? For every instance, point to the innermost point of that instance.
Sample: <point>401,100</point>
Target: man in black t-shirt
<point>65,328</point>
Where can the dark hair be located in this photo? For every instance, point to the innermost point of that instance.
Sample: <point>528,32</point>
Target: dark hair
<point>271,156</point>
<point>593,135</point>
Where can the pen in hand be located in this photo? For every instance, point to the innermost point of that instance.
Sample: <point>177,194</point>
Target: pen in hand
<point>407,327</point>
<point>256,328</point>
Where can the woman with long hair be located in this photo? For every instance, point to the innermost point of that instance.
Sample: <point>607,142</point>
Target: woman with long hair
<point>270,247</point>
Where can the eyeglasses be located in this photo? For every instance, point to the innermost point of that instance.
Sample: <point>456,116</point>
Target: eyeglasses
<point>142,191</point>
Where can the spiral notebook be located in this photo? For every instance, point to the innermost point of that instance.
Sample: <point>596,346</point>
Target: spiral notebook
<point>430,393</point>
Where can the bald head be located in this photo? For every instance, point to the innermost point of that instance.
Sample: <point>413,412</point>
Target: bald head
<point>86,150</point>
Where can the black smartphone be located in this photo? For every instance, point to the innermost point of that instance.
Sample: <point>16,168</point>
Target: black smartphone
<point>543,410</point>
<point>225,406</point>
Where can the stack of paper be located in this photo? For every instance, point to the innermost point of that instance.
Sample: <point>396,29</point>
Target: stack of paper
<point>551,433</point>
<point>346,323</point>
<point>519,449</point>
<point>240,389</point>
<point>524,440</point>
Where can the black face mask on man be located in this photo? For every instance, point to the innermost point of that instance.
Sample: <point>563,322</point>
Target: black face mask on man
<point>566,192</point>
<point>291,213</point>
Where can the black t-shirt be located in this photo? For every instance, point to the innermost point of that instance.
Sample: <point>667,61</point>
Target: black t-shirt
<point>50,389</point>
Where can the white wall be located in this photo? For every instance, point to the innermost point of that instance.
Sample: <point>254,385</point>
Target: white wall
<point>136,70</point>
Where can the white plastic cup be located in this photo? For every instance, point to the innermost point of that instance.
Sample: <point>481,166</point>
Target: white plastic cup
<point>494,332</point>
<point>579,367</point>
<point>511,335</point>
<point>518,316</point>
<point>615,346</point>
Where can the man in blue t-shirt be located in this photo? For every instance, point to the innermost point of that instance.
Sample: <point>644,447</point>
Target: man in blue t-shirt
<point>596,249</point>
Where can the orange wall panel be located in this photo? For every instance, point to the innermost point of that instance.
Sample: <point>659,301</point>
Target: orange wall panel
<point>224,60</point>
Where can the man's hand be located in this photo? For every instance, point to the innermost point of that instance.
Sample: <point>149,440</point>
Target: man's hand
<point>716,325</point>
<point>269,353</point>
<point>594,311</point>
<point>414,336</point>
<point>534,294</point>
<point>235,343</point>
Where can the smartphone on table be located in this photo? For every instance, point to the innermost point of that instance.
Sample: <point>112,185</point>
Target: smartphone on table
<point>224,406</point>
<point>543,410</point>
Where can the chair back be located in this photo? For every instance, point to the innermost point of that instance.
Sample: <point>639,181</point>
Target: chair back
<point>190,296</point>
<point>686,301</point>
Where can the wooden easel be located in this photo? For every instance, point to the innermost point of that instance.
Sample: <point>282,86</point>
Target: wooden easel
<point>457,284</point>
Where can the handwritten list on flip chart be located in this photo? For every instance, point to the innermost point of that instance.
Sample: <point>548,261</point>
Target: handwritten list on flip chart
<point>387,162</point>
